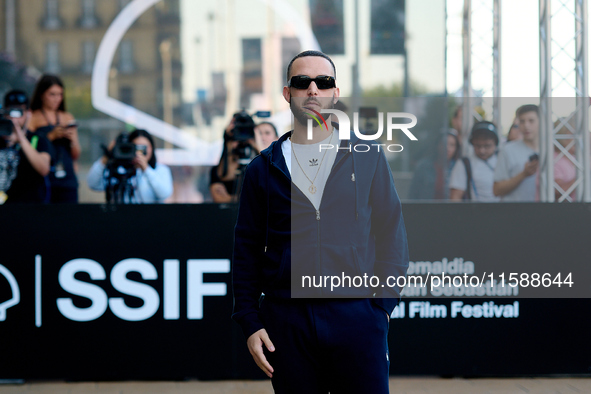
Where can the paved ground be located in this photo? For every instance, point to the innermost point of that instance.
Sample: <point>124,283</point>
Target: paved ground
<point>424,385</point>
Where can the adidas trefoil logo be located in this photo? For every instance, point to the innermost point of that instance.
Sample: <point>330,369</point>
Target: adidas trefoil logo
<point>313,162</point>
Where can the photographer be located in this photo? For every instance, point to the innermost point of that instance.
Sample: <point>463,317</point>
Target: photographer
<point>128,171</point>
<point>240,148</point>
<point>25,158</point>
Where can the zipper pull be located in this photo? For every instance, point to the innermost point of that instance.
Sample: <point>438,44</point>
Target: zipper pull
<point>353,177</point>
<point>317,215</point>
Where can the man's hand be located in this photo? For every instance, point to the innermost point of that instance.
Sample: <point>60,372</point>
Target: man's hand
<point>255,345</point>
<point>530,168</point>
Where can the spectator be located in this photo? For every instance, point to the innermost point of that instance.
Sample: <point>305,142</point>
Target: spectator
<point>51,120</point>
<point>518,160</point>
<point>431,176</point>
<point>151,182</point>
<point>514,133</point>
<point>472,177</point>
<point>25,157</point>
<point>265,133</point>
<point>224,182</point>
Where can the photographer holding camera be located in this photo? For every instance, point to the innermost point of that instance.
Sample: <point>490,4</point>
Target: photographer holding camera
<point>240,147</point>
<point>25,158</point>
<point>128,171</point>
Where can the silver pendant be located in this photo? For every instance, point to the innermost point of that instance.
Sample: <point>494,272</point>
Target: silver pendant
<point>312,189</point>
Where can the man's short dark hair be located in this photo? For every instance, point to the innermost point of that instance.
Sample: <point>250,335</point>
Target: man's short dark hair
<point>527,108</point>
<point>311,53</point>
<point>16,98</point>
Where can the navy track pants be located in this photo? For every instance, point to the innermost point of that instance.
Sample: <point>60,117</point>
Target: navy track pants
<point>327,345</point>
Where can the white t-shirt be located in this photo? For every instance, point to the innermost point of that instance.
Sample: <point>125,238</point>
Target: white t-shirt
<point>481,188</point>
<point>315,163</point>
<point>511,161</point>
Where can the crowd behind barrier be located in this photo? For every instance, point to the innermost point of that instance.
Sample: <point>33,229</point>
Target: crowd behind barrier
<point>484,166</point>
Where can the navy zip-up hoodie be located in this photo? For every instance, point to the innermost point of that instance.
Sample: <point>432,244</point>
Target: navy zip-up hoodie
<point>280,236</point>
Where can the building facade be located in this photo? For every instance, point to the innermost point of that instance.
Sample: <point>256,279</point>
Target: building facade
<point>62,37</point>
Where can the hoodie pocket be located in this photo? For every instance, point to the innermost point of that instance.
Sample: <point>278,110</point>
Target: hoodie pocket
<point>338,260</point>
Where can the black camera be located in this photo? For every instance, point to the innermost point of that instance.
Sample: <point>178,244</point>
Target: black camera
<point>6,127</point>
<point>243,127</point>
<point>121,158</point>
<point>242,132</point>
<point>124,150</point>
<point>120,169</point>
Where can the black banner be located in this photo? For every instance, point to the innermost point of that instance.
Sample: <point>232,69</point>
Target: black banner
<point>95,292</point>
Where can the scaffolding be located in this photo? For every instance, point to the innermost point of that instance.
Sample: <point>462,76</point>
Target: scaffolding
<point>555,131</point>
<point>484,61</point>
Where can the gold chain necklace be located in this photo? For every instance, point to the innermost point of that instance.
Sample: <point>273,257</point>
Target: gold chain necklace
<point>312,189</point>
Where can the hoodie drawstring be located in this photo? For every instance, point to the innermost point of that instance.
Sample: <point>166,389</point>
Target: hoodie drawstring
<point>354,181</point>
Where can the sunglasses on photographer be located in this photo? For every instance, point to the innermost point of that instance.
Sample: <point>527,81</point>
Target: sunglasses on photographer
<point>303,81</point>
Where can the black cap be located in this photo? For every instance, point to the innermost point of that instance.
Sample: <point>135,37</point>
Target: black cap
<point>16,98</point>
<point>484,130</point>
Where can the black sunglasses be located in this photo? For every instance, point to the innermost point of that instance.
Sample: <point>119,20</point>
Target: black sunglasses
<point>303,81</point>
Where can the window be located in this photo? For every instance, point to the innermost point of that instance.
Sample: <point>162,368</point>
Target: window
<point>88,51</point>
<point>52,58</point>
<point>52,20</point>
<point>126,63</point>
<point>327,23</point>
<point>252,69</point>
<point>126,95</point>
<point>387,27</point>
<point>88,19</point>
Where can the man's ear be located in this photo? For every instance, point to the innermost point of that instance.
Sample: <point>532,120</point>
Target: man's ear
<point>286,94</point>
<point>337,94</point>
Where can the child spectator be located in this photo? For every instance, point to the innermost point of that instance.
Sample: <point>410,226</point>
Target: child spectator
<point>472,177</point>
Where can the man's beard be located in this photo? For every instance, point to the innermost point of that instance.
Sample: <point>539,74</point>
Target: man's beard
<point>302,115</point>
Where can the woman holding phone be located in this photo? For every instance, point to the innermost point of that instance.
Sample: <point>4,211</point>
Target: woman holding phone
<point>52,121</point>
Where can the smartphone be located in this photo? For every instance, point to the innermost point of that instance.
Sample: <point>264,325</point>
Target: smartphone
<point>534,157</point>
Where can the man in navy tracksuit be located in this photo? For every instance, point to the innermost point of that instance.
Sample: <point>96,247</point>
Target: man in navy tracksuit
<point>338,214</point>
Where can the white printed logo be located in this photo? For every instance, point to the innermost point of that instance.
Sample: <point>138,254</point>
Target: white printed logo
<point>16,295</point>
